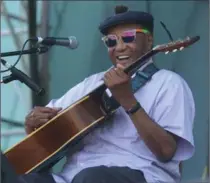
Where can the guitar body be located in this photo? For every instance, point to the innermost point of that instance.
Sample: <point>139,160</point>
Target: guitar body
<point>50,142</point>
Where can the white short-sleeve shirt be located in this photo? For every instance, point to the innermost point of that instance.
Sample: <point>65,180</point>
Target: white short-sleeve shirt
<point>168,101</point>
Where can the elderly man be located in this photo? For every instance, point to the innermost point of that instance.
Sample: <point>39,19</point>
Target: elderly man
<point>151,131</point>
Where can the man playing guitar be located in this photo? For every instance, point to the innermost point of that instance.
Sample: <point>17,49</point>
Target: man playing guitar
<point>148,136</point>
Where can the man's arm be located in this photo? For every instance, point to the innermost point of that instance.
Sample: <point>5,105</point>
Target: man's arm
<point>158,140</point>
<point>173,115</point>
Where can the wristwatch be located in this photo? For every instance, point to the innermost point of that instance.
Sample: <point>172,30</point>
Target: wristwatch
<point>134,109</point>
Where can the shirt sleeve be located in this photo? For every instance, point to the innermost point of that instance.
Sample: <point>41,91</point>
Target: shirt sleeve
<point>77,92</point>
<point>174,111</point>
<point>68,98</point>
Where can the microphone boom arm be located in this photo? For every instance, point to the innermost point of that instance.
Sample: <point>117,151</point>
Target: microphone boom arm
<point>39,50</point>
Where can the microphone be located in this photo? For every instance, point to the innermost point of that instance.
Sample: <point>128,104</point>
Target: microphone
<point>22,77</point>
<point>70,42</point>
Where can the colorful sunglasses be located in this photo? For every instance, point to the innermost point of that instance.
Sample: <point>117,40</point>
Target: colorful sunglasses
<point>127,37</point>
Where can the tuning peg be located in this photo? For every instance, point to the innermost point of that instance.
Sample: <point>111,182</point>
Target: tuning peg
<point>181,48</point>
<point>166,52</point>
<point>175,50</point>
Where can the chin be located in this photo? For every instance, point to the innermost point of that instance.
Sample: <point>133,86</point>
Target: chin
<point>124,63</point>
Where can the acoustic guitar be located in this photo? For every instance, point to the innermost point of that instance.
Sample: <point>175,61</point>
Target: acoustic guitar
<point>49,143</point>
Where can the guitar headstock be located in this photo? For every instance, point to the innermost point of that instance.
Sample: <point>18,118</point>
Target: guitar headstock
<point>176,45</point>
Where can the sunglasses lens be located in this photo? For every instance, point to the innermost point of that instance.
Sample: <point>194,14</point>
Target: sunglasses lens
<point>128,36</point>
<point>128,39</point>
<point>110,42</point>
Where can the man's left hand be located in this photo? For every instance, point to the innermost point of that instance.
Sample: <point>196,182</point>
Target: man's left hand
<point>119,83</point>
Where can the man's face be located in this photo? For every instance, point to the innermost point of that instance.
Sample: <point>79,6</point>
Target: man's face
<point>126,53</point>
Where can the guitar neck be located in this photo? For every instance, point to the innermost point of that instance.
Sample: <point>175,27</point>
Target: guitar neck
<point>133,67</point>
<point>140,62</point>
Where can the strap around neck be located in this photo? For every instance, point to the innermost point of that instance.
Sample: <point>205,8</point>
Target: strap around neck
<point>141,77</point>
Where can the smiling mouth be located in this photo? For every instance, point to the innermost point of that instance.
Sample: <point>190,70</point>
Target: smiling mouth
<point>122,58</point>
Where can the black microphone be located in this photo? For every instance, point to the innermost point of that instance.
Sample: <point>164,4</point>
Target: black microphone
<point>70,42</point>
<point>22,77</point>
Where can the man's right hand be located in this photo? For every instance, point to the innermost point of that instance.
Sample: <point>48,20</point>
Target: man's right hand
<point>39,116</point>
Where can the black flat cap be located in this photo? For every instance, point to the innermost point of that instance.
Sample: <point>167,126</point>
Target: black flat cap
<point>123,16</point>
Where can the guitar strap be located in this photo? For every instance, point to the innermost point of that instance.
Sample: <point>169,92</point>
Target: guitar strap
<point>140,78</point>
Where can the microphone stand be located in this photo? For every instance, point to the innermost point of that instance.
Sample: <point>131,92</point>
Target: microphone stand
<point>39,50</point>
<point>19,75</point>
<point>22,77</point>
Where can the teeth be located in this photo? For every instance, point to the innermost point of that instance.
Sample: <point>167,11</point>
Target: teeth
<point>122,57</point>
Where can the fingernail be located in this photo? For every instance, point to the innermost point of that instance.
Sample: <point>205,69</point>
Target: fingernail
<point>119,66</point>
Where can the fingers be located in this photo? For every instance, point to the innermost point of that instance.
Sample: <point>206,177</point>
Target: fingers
<point>46,109</point>
<point>31,126</point>
<point>116,73</point>
<point>41,113</point>
<point>39,116</point>
<point>120,71</point>
<point>109,78</point>
<point>121,67</point>
<point>44,112</point>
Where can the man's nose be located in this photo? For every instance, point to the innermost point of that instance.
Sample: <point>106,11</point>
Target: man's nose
<point>121,46</point>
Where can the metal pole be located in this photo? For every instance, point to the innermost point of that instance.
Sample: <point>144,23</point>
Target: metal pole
<point>34,72</point>
<point>44,59</point>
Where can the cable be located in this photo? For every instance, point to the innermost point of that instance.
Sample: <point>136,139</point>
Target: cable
<point>171,39</point>
<point>167,31</point>
<point>2,71</point>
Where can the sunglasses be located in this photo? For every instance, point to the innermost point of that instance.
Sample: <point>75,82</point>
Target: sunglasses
<point>127,37</point>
